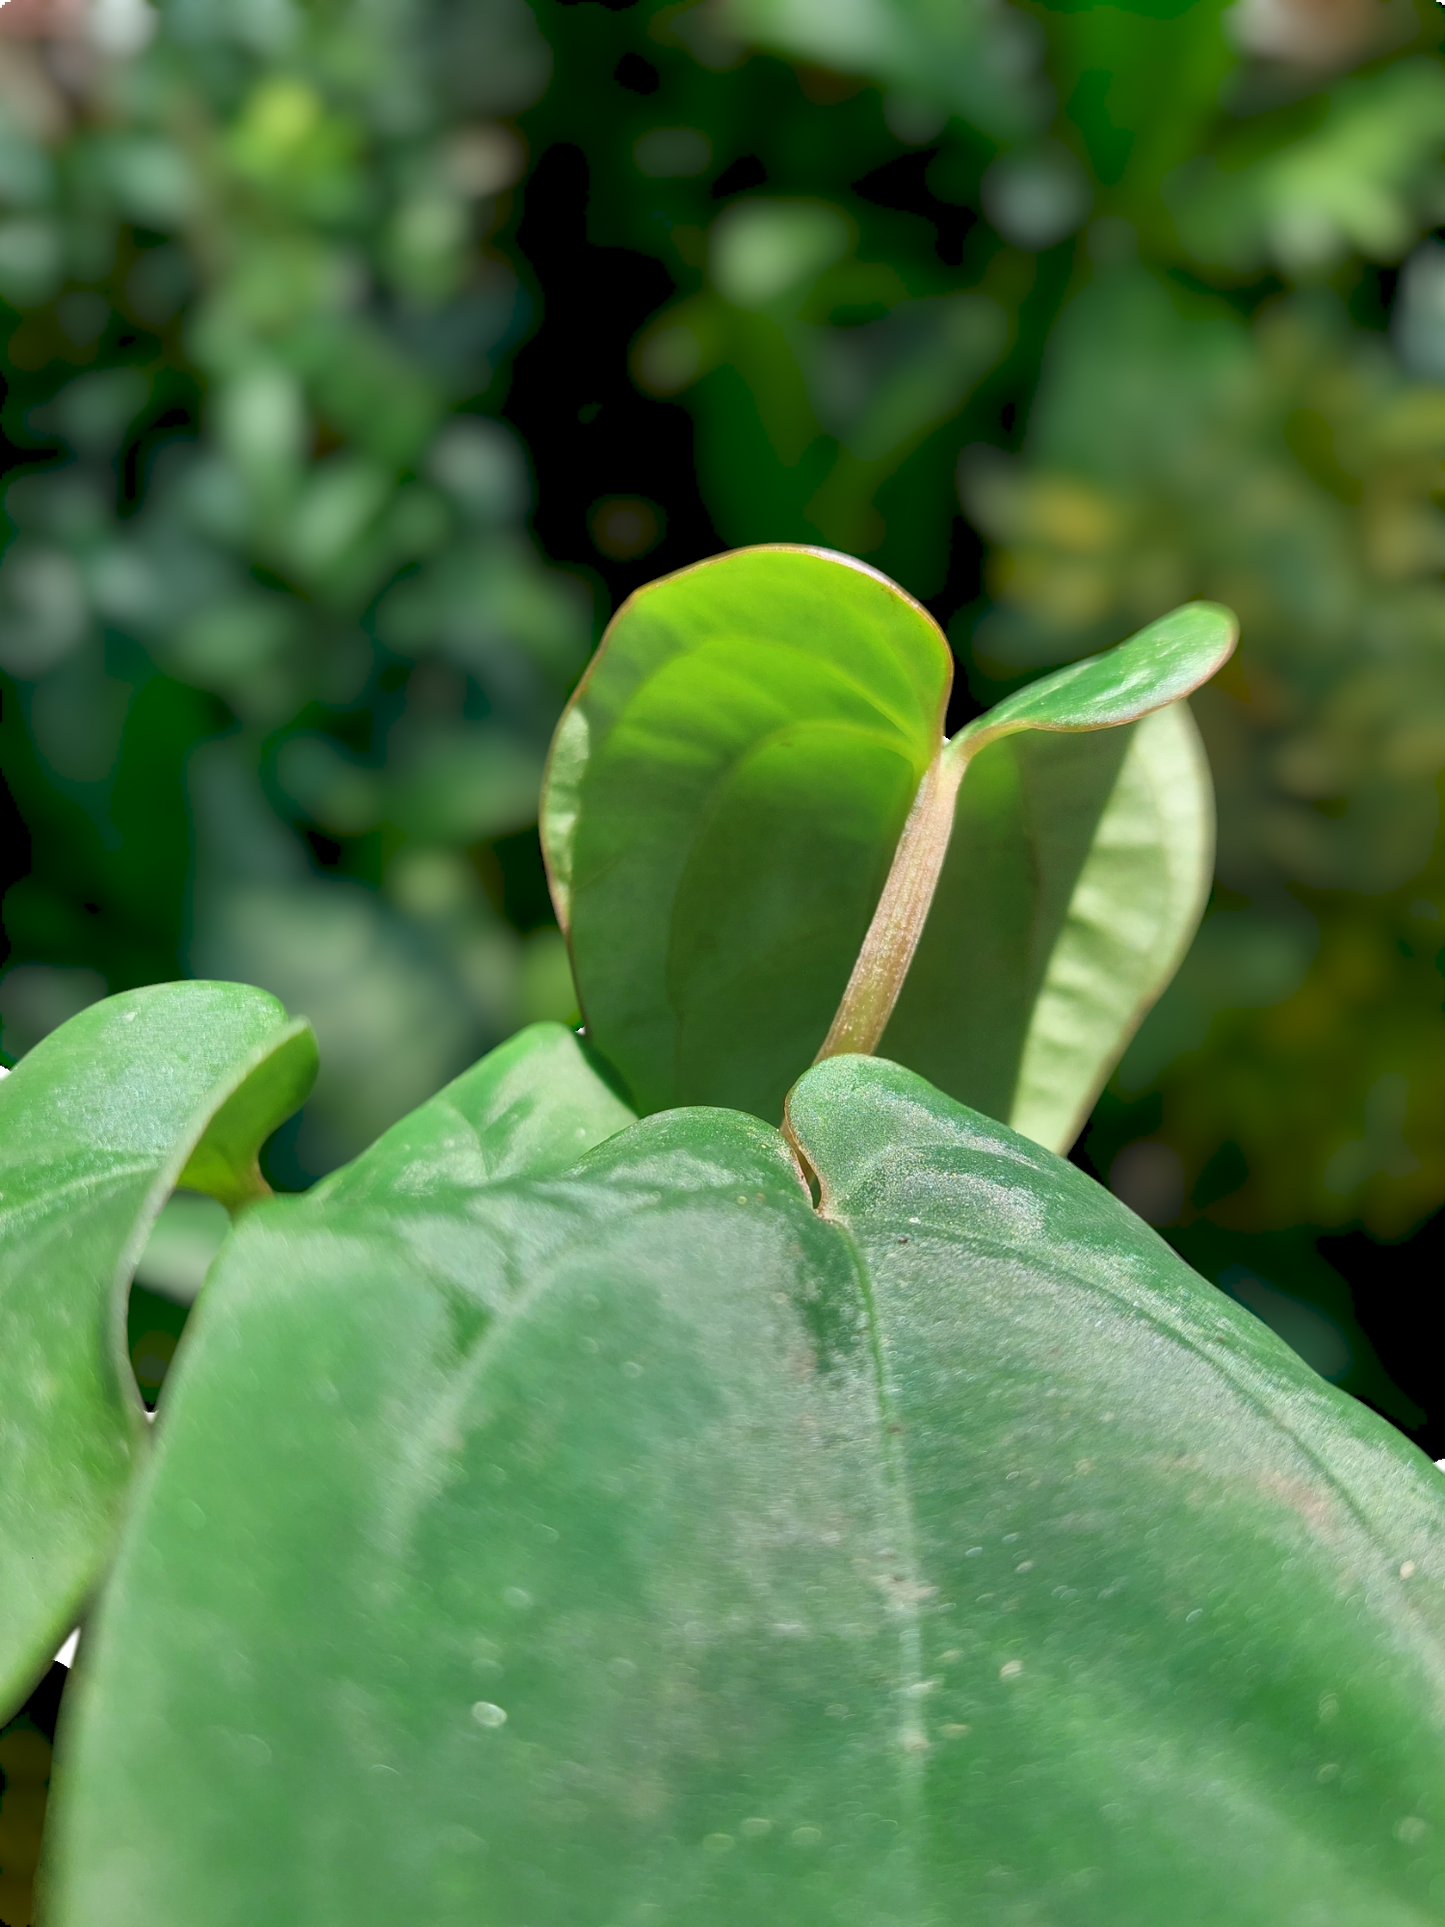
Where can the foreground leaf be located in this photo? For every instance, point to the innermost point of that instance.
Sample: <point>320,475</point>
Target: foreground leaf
<point>639,1545</point>
<point>1077,872</point>
<point>724,797</point>
<point>98,1124</point>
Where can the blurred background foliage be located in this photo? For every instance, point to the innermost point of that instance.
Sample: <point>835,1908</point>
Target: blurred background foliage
<point>361,354</point>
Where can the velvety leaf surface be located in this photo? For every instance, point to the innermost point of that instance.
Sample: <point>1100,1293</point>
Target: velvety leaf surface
<point>723,801</point>
<point>638,1544</point>
<point>1076,874</point>
<point>97,1125</point>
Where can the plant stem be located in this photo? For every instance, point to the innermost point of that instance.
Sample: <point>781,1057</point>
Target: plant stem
<point>251,1188</point>
<point>887,952</point>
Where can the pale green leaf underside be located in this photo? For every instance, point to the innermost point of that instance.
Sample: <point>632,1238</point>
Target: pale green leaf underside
<point>96,1125</point>
<point>723,800</point>
<point>1076,874</point>
<point>637,1544</point>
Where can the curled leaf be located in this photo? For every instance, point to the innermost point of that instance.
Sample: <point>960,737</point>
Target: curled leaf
<point>98,1124</point>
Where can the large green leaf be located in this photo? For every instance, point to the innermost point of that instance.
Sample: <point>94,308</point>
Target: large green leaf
<point>180,1083</point>
<point>638,1544</point>
<point>1076,875</point>
<point>724,797</point>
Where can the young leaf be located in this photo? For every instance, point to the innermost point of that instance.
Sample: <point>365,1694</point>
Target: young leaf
<point>98,1124</point>
<point>754,763</point>
<point>637,1543</point>
<point>1158,666</point>
<point>1076,874</point>
<point>723,800</point>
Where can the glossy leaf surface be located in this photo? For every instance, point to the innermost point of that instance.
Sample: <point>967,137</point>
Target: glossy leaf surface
<point>1162,662</point>
<point>1076,874</point>
<point>98,1123</point>
<point>725,794</point>
<point>637,1544</point>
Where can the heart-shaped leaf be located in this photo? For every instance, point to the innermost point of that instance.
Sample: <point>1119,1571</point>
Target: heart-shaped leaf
<point>640,1544</point>
<point>746,816</point>
<point>724,797</point>
<point>178,1084</point>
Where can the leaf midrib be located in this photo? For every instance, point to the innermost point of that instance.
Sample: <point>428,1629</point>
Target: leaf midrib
<point>912,1741</point>
<point>17,1216</point>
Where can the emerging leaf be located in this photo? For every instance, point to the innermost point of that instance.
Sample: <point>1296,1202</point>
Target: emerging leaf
<point>1076,875</point>
<point>637,1543</point>
<point>724,797</point>
<point>746,818</point>
<point>180,1083</point>
<point>1160,664</point>
<point>1157,666</point>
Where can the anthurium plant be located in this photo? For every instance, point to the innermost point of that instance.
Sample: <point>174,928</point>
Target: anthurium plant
<point>721,1465</point>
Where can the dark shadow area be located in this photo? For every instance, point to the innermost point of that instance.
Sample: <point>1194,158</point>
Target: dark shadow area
<point>599,440</point>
